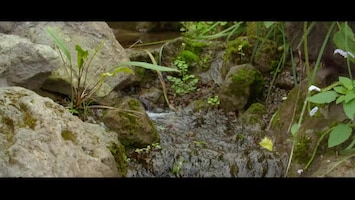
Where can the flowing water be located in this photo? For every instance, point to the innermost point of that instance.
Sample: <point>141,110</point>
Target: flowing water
<point>199,144</point>
<point>205,144</point>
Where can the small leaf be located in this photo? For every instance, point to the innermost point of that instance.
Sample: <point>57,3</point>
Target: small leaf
<point>294,129</point>
<point>266,143</point>
<point>349,96</point>
<point>349,109</point>
<point>340,99</point>
<point>340,89</point>
<point>59,42</point>
<point>323,97</point>
<point>339,134</point>
<point>346,82</point>
<point>81,55</point>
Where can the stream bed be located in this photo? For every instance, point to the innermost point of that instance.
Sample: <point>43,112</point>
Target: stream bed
<point>205,144</point>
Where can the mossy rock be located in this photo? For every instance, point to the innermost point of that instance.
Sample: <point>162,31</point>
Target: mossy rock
<point>132,124</point>
<point>242,86</point>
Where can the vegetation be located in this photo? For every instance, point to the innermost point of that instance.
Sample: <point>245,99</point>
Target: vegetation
<point>81,92</point>
<point>341,92</point>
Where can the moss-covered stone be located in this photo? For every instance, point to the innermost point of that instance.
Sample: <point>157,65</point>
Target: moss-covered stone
<point>254,114</point>
<point>131,123</point>
<point>119,153</point>
<point>251,78</point>
<point>238,51</point>
<point>242,86</point>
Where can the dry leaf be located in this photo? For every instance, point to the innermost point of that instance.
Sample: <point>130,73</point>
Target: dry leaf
<point>266,143</point>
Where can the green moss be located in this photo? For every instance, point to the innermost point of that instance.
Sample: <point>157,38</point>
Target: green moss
<point>195,45</point>
<point>188,56</point>
<point>134,104</point>
<point>68,135</point>
<point>257,108</point>
<point>132,119</point>
<point>249,78</point>
<point>118,152</point>
<point>28,120</point>
<point>238,51</point>
<point>254,114</point>
<point>8,128</point>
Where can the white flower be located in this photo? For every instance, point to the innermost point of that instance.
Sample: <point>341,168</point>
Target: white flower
<point>312,87</point>
<point>313,111</point>
<point>343,53</point>
<point>300,171</point>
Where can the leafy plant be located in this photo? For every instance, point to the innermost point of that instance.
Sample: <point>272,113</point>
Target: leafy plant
<point>213,100</point>
<point>340,92</point>
<point>81,92</point>
<point>187,82</point>
<point>147,149</point>
<point>209,30</point>
<point>311,75</point>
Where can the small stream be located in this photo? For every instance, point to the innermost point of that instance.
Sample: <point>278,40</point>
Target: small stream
<point>205,144</point>
<point>200,144</point>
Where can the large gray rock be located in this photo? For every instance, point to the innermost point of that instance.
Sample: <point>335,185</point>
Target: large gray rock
<point>88,35</point>
<point>26,64</point>
<point>39,138</point>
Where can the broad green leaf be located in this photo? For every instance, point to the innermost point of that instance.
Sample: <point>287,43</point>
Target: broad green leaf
<point>266,143</point>
<point>323,97</point>
<point>151,66</point>
<point>294,129</point>
<point>59,42</point>
<point>340,99</point>
<point>339,134</point>
<point>340,89</point>
<point>81,55</point>
<point>349,96</point>
<point>346,82</point>
<point>349,109</point>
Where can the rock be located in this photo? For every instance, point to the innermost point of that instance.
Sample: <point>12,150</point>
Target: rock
<point>39,138</point>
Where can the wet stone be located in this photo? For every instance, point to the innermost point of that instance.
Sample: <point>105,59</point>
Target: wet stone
<point>205,144</point>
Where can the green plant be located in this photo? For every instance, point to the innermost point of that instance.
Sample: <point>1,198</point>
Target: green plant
<point>162,82</point>
<point>294,128</point>
<point>187,82</point>
<point>147,149</point>
<point>339,92</point>
<point>178,165</point>
<point>213,100</point>
<point>81,92</point>
<point>272,28</point>
<point>209,30</point>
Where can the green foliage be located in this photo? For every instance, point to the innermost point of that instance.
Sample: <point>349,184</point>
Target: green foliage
<point>210,30</point>
<point>213,100</point>
<point>147,149</point>
<point>187,82</point>
<point>339,134</point>
<point>341,91</point>
<point>81,92</point>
